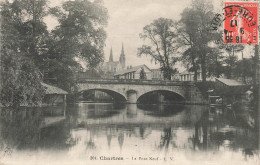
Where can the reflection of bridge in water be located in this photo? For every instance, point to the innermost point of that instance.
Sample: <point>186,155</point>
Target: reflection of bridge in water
<point>132,90</point>
<point>190,128</point>
<point>133,115</point>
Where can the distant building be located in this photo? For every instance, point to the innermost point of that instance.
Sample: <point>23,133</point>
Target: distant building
<point>230,90</point>
<point>134,73</point>
<point>111,67</point>
<point>157,74</point>
<point>189,76</point>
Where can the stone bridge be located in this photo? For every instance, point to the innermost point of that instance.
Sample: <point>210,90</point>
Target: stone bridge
<point>130,90</point>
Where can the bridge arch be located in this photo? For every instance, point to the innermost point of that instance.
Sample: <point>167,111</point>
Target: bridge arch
<point>117,96</point>
<point>160,95</point>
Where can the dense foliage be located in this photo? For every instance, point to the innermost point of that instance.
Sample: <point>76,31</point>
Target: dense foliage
<point>79,35</point>
<point>31,54</point>
<point>195,22</point>
<point>20,43</point>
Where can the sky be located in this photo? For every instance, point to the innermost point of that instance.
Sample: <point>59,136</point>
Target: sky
<point>126,21</point>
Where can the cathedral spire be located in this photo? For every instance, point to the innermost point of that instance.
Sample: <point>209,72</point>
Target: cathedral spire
<point>122,57</point>
<point>122,50</point>
<point>111,56</point>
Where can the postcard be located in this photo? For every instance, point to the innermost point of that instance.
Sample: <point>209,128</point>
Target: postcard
<point>129,82</point>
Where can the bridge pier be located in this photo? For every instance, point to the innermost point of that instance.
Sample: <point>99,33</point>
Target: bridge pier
<point>131,97</point>
<point>131,109</point>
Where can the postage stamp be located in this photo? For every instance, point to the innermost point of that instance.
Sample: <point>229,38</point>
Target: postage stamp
<point>241,22</point>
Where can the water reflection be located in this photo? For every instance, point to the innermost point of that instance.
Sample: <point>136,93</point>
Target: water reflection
<point>161,110</point>
<point>89,128</point>
<point>166,138</point>
<point>20,130</point>
<point>131,110</point>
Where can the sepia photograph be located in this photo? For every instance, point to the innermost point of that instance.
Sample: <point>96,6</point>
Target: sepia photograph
<point>131,82</point>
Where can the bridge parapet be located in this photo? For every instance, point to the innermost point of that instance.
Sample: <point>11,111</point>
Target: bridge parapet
<point>137,82</point>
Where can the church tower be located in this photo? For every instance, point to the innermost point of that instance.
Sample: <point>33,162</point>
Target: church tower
<point>122,57</point>
<point>111,56</point>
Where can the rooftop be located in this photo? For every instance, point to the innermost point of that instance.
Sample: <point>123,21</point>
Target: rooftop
<point>52,89</point>
<point>187,72</point>
<point>229,82</point>
<point>133,69</point>
<point>158,69</point>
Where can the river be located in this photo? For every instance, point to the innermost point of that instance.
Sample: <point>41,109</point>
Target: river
<point>99,133</point>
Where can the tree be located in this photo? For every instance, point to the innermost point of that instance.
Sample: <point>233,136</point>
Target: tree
<point>79,35</point>
<point>142,74</point>
<point>187,41</point>
<point>30,52</point>
<point>190,59</point>
<point>22,79</point>
<point>196,22</point>
<point>256,78</point>
<point>230,62</point>
<point>162,36</point>
<point>27,16</point>
<point>215,63</point>
<point>244,69</point>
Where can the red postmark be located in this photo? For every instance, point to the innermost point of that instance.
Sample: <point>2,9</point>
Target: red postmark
<point>241,22</point>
